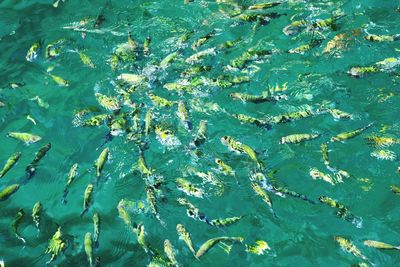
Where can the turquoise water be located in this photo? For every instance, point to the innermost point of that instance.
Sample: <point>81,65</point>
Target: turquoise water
<point>300,233</point>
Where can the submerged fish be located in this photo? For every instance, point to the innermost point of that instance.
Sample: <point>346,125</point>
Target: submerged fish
<point>342,212</point>
<point>36,214</point>
<point>8,191</point>
<point>380,245</point>
<point>297,138</point>
<point>88,248</point>
<point>259,248</point>
<point>31,168</point>
<point>189,188</point>
<point>226,221</point>
<point>33,51</point>
<point>11,161</point>
<point>213,241</point>
<point>27,138</point>
<point>170,252</point>
<point>103,157</point>
<point>201,134</point>
<point>56,245</point>
<point>185,236</point>
<point>70,178</point>
<point>96,229</point>
<point>184,115</point>
<point>239,147</point>
<point>347,135</point>
<point>350,247</point>
<point>87,198</point>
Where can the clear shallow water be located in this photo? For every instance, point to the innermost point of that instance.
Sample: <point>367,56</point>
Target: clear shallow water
<point>301,234</point>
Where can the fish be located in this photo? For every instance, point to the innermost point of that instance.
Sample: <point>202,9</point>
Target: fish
<point>179,87</point>
<point>99,164</point>
<point>346,245</point>
<point>27,138</point>
<point>292,116</point>
<point>382,141</point>
<point>189,188</point>
<point>305,47</point>
<point>358,72</point>
<point>141,234</point>
<point>73,172</point>
<point>185,236</point>
<point>202,40</point>
<point>16,222</point>
<point>36,213</point>
<point>132,79</point>
<point>324,152</point>
<point>395,189</point>
<point>298,138</point>
<point>33,51</point>
<point>2,263</point>
<point>259,248</point>
<point>96,120</point>
<point>142,165</point>
<point>184,115</point>
<point>197,57</point>
<point>250,54</point>
<point>108,102</point>
<point>11,161</point>
<point>206,246</point>
<point>384,154</point>
<point>347,135</point>
<point>239,147</point>
<point>96,229</point>
<point>123,213</point>
<point>168,60</point>
<point>151,201</point>
<point>192,211</point>
<point>7,192</point>
<point>86,60</point>
<point>88,248</point>
<point>194,70</point>
<point>339,114</point>
<point>56,245</point>
<point>160,101</point>
<point>87,199</point>
<point>59,80</point>
<point>201,135</point>
<point>263,5</point>
<point>226,169</point>
<point>382,38</point>
<point>31,168</point>
<point>380,245</point>
<point>342,212</point>
<point>247,119</point>
<point>226,221</point>
<point>53,49</point>
<point>170,252</point>
<point>316,174</point>
<point>264,195</point>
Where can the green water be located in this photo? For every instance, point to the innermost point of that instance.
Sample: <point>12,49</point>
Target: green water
<point>301,234</point>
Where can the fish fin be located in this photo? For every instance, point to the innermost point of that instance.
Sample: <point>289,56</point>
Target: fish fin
<point>227,248</point>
